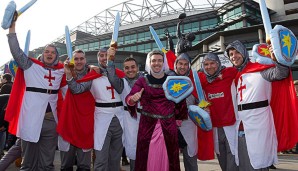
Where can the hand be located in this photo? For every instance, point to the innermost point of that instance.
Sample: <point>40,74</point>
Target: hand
<point>69,70</point>
<point>271,52</point>
<point>207,109</point>
<point>95,68</point>
<point>136,97</point>
<point>111,53</point>
<point>66,67</point>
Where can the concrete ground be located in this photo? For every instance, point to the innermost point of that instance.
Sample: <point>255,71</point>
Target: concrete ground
<point>287,162</point>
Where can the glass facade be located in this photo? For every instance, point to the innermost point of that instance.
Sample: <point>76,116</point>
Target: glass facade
<point>143,41</point>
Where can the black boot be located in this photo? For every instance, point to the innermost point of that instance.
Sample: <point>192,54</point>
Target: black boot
<point>81,169</point>
<point>67,169</point>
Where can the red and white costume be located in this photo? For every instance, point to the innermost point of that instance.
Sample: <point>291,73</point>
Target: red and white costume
<point>103,115</point>
<point>258,123</point>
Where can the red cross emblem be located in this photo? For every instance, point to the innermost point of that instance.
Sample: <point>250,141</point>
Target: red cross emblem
<point>241,88</point>
<point>50,78</point>
<point>112,90</point>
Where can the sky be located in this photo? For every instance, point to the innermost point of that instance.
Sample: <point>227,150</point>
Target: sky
<point>47,19</point>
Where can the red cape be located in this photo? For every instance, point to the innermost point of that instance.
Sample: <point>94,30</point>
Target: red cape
<point>76,121</point>
<point>284,107</point>
<point>16,97</point>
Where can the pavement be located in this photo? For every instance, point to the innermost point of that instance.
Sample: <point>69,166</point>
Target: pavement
<point>287,162</point>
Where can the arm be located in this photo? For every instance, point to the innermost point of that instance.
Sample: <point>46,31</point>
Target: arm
<point>278,72</point>
<point>115,81</point>
<point>17,53</point>
<point>178,33</point>
<point>75,87</point>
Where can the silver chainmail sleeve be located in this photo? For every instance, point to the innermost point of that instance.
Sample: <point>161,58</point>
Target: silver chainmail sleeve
<point>278,72</point>
<point>77,88</point>
<point>115,81</point>
<point>17,53</point>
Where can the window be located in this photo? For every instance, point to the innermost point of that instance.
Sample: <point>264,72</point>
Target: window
<point>141,48</point>
<point>133,38</point>
<point>127,39</point>
<point>120,41</point>
<point>141,36</point>
<point>211,23</point>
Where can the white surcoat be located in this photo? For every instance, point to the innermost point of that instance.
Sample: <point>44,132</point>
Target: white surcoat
<point>131,126</point>
<point>189,132</point>
<point>34,104</point>
<point>258,123</point>
<point>103,92</point>
<point>230,131</point>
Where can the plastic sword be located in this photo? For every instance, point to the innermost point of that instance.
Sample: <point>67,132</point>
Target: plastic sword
<point>203,103</point>
<point>27,43</point>
<point>68,46</point>
<point>115,32</point>
<point>157,40</point>
<point>266,19</point>
<point>25,7</point>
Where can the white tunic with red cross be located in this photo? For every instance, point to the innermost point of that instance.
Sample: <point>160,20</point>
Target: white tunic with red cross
<point>258,123</point>
<point>34,104</point>
<point>103,92</point>
<point>131,126</point>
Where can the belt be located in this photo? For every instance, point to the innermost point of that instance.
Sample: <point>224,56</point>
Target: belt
<point>114,104</point>
<point>41,90</point>
<point>156,116</point>
<point>138,109</point>
<point>254,105</point>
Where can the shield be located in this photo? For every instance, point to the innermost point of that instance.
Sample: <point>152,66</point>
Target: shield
<point>284,45</point>
<point>13,67</point>
<point>177,88</point>
<point>262,54</point>
<point>200,117</point>
<point>8,15</point>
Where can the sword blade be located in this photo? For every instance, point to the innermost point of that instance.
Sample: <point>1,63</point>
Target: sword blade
<point>27,43</point>
<point>157,40</point>
<point>25,7</point>
<point>116,28</point>
<point>265,17</point>
<point>68,43</point>
<point>203,103</point>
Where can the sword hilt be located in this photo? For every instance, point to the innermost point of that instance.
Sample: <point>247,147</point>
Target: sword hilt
<point>114,44</point>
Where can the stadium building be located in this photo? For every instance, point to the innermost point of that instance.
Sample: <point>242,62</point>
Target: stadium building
<point>215,23</point>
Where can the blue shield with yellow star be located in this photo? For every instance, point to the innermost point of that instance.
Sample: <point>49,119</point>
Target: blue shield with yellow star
<point>200,117</point>
<point>284,44</point>
<point>13,67</point>
<point>177,88</point>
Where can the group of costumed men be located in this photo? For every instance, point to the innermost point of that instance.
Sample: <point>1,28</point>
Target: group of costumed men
<point>105,108</point>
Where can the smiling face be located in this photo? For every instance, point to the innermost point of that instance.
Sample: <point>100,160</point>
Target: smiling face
<point>210,66</point>
<point>102,58</point>
<point>79,61</point>
<point>49,55</point>
<point>182,66</point>
<point>235,57</point>
<point>130,69</point>
<point>156,63</point>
